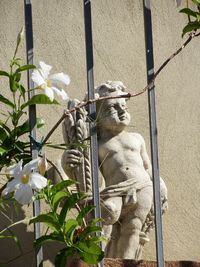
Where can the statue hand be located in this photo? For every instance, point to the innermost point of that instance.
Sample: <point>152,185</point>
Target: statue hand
<point>71,159</point>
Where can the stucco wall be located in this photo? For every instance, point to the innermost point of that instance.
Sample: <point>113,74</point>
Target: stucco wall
<point>119,55</point>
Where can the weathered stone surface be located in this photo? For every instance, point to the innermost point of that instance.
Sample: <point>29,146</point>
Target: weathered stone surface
<point>125,171</point>
<point>131,263</point>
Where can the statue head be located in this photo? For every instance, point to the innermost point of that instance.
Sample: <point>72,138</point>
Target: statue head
<point>112,113</point>
<point>110,87</point>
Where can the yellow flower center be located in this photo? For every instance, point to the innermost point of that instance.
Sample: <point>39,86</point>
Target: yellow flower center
<point>25,179</point>
<point>49,83</point>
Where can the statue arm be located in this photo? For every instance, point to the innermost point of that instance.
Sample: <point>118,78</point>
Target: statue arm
<point>148,168</point>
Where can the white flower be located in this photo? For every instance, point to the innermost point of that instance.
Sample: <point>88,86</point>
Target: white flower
<point>49,83</point>
<point>24,181</point>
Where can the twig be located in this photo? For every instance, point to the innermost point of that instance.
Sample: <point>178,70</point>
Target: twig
<point>128,95</point>
<point>56,168</point>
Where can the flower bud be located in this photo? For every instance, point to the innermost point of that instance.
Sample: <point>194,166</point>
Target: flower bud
<point>42,165</point>
<point>20,36</point>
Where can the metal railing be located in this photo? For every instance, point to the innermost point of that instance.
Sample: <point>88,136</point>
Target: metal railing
<point>92,114</point>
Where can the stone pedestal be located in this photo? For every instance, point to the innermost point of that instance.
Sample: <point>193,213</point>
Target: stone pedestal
<point>131,263</point>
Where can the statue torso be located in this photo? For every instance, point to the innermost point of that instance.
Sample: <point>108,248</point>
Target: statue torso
<point>120,159</point>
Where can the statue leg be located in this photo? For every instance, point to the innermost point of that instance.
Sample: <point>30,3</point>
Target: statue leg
<point>111,211</point>
<point>111,248</point>
<point>133,217</point>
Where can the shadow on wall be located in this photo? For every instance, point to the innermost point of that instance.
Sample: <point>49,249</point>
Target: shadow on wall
<point>21,254</point>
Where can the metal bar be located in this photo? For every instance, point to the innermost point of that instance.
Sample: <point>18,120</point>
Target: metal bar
<point>92,112</point>
<point>32,114</point>
<point>153,133</point>
<point>92,107</point>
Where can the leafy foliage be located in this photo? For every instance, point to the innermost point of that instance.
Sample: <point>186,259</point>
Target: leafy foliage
<point>193,18</point>
<point>77,237</point>
<point>14,123</point>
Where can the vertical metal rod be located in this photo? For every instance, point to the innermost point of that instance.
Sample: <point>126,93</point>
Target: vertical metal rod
<point>32,113</point>
<point>153,133</point>
<point>92,107</point>
<point>92,111</point>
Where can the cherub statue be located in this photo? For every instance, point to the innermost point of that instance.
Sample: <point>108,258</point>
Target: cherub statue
<point>125,175</point>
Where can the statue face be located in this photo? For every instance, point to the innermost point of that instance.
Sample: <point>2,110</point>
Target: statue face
<point>112,114</point>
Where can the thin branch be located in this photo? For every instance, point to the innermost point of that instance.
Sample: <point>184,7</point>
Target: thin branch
<point>56,169</point>
<point>128,95</point>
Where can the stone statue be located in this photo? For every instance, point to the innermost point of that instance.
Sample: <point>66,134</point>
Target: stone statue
<point>125,172</point>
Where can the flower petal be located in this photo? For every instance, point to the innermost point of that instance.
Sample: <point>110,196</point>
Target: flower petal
<point>24,194</point>
<point>11,186</point>
<point>37,78</point>
<point>45,69</point>
<point>31,166</point>
<point>37,181</point>
<point>60,77</point>
<point>49,92</point>
<point>15,169</point>
<point>60,92</point>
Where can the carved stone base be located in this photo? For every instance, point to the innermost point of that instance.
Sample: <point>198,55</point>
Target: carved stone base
<point>131,263</point>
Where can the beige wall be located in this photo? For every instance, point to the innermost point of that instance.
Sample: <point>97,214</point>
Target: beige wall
<point>119,55</point>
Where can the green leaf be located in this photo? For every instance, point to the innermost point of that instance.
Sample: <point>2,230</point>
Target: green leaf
<point>2,151</point>
<point>16,115</point>
<point>63,185</point>
<point>197,2</point>
<point>98,239</point>
<point>62,256</point>
<point>49,219</point>
<point>3,134</point>
<point>14,85</point>
<point>84,211</point>
<point>198,17</point>
<point>69,204</point>
<point>69,229</point>
<point>69,224</point>
<point>57,199</point>
<point>39,99</point>
<point>22,91</point>
<point>89,230</point>
<point>4,73</point>
<point>6,101</point>
<point>25,67</point>
<point>191,26</point>
<point>20,146</point>
<point>48,238</point>
<point>94,221</point>
<point>17,77</point>
<point>189,12</point>
<point>21,129</point>
<point>40,123</point>
<point>25,127</point>
<point>5,127</point>
<point>61,147</point>
<point>90,252</point>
